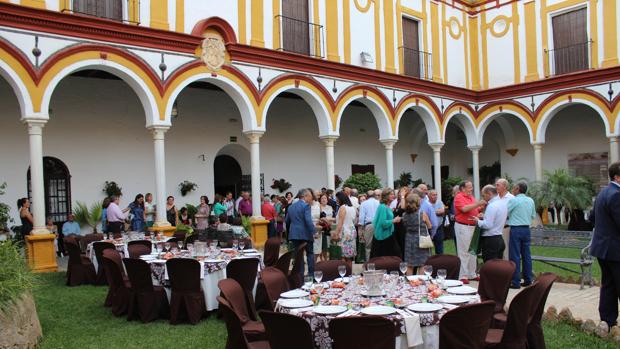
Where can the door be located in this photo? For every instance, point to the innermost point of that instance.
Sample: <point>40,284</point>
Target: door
<point>355,169</point>
<point>227,175</point>
<point>570,42</point>
<point>57,186</point>
<point>295,26</point>
<point>411,47</point>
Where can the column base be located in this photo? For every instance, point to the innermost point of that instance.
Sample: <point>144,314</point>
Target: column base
<point>41,253</point>
<point>259,231</point>
<point>163,227</point>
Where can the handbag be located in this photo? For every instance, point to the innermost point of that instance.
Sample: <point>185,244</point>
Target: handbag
<point>474,245</point>
<point>424,241</point>
<point>335,251</point>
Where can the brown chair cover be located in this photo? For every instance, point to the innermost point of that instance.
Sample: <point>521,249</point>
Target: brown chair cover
<point>99,246</point>
<point>191,239</point>
<point>330,269</point>
<point>535,336</point>
<point>238,299</point>
<point>116,258</point>
<point>88,238</point>
<point>451,263</point>
<point>294,277</point>
<point>284,262</point>
<point>387,263</point>
<point>275,283</point>
<point>236,339</point>
<point>514,336</point>
<point>187,300</point>
<point>118,290</point>
<point>272,251</point>
<point>297,330</point>
<point>146,243</point>
<point>466,327</point>
<point>146,302</point>
<point>80,270</point>
<point>244,271</point>
<point>173,242</point>
<point>495,277</point>
<point>365,332</point>
<point>135,251</point>
<point>179,235</point>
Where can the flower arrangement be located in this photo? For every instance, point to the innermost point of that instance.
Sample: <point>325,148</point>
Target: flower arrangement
<point>281,184</point>
<point>110,188</point>
<point>187,187</point>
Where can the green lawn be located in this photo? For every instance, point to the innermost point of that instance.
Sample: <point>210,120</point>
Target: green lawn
<point>74,317</point>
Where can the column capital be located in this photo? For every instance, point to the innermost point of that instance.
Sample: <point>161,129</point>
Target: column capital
<point>254,136</point>
<point>158,131</point>
<point>329,140</point>
<point>614,138</point>
<point>388,143</point>
<point>436,146</point>
<point>538,145</point>
<point>35,126</point>
<point>475,148</point>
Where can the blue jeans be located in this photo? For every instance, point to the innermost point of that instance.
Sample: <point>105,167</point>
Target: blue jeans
<point>438,240</point>
<point>519,250</point>
<point>309,256</point>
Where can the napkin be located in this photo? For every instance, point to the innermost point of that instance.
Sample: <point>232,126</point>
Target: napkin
<point>413,331</point>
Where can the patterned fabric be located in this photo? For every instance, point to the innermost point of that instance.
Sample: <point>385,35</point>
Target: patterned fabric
<point>414,256</point>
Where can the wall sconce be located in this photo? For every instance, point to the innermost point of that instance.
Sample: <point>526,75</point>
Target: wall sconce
<point>174,113</point>
<point>413,157</point>
<point>366,57</point>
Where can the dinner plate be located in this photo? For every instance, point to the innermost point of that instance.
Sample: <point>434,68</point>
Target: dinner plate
<point>330,309</point>
<point>213,260</point>
<point>452,283</point>
<point>424,307</point>
<point>226,249</point>
<point>294,294</point>
<point>462,290</point>
<point>148,257</point>
<point>378,310</point>
<point>417,277</point>
<point>345,279</point>
<point>365,293</point>
<point>453,299</point>
<point>295,303</point>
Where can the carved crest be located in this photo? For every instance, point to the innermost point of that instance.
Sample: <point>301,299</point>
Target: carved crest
<point>213,52</point>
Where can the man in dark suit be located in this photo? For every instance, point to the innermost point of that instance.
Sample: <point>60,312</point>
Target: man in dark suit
<point>300,226</point>
<point>606,244</point>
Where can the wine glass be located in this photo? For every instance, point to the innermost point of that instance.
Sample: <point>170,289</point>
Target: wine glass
<point>190,248</point>
<point>428,270</point>
<point>441,275</point>
<point>241,245</point>
<point>370,266</point>
<point>403,267</point>
<point>167,246</point>
<point>235,244</point>
<point>180,244</point>
<point>152,236</point>
<point>342,270</point>
<point>308,281</point>
<point>318,276</point>
<point>174,250</point>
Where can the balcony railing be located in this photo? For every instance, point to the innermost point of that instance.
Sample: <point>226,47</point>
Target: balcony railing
<point>417,63</point>
<point>127,11</point>
<point>568,59</point>
<point>300,37</point>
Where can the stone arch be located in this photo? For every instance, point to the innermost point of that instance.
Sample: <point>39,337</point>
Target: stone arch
<point>428,112</point>
<point>492,112</point>
<point>16,70</point>
<point>376,102</point>
<point>465,122</point>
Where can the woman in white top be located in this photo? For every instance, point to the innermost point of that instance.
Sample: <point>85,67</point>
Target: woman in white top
<point>149,210</point>
<point>315,211</point>
<point>327,218</point>
<point>346,232</point>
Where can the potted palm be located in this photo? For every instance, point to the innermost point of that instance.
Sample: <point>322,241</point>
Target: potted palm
<point>88,216</point>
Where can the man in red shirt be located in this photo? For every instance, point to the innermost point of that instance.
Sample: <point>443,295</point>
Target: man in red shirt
<point>466,208</point>
<point>269,212</point>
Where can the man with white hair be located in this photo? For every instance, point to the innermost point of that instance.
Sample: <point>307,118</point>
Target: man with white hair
<point>355,202</point>
<point>504,194</point>
<point>439,211</point>
<point>495,215</point>
<point>368,209</point>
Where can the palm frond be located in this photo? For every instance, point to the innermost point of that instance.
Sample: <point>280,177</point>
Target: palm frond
<point>89,217</point>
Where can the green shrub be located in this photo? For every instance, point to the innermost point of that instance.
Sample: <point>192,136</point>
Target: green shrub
<point>15,276</point>
<point>363,182</point>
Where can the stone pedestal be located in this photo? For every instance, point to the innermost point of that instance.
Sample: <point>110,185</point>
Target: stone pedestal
<point>259,232</point>
<point>41,253</point>
<point>168,230</point>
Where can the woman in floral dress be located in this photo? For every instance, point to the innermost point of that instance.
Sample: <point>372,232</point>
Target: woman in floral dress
<point>346,232</point>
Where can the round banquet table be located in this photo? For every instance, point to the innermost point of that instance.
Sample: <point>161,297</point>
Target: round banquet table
<point>417,330</point>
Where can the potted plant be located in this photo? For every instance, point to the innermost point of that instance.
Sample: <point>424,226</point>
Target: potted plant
<point>403,180</point>
<point>281,184</point>
<point>363,182</point>
<point>5,214</point>
<point>89,217</point>
<point>110,188</point>
<point>187,187</point>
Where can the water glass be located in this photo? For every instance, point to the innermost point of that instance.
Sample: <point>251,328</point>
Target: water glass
<point>428,270</point>
<point>403,267</point>
<point>370,266</point>
<point>318,276</point>
<point>190,248</point>
<point>180,244</point>
<point>442,274</point>
<point>235,244</point>
<point>308,279</point>
<point>242,245</point>
<point>342,270</point>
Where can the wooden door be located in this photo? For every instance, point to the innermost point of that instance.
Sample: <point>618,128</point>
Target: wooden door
<point>295,26</point>
<point>570,42</point>
<point>411,47</point>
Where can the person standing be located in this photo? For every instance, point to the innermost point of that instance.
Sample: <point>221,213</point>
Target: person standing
<point>229,202</point>
<point>502,187</point>
<point>138,212</point>
<point>245,205</point>
<point>466,209</point>
<point>269,213</point>
<point>202,215</point>
<point>521,212</point>
<point>416,224</point>
<point>116,216</point>
<point>218,207</point>
<point>300,227</point>
<point>149,210</point>
<point>606,245</point>
<point>327,217</point>
<point>384,243</point>
<point>495,214</point>
<point>172,214</point>
<point>345,232</point>
<point>315,212</point>
<point>439,212</point>
<point>427,207</point>
<point>23,205</point>
<point>368,209</point>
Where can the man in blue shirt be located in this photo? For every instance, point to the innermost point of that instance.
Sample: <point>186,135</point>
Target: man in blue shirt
<point>71,227</point>
<point>439,212</point>
<point>521,212</point>
<point>301,228</point>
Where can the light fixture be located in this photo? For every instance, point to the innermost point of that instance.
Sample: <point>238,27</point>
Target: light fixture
<point>366,57</point>
<point>174,113</point>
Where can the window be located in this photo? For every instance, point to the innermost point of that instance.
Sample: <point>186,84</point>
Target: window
<point>571,46</point>
<point>355,169</point>
<point>57,186</point>
<point>111,9</point>
<point>297,33</point>
<point>416,63</point>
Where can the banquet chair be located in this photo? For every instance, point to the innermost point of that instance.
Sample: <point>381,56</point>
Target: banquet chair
<point>191,239</point>
<point>495,277</point>
<point>451,263</point>
<point>238,300</point>
<point>387,263</point>
<point>275,284</point>
<point>272,251</point>
<point>236,338</point>
<point>244,271</point>
<point>284,262</point>
<point>535,336</point>
<point>80,269</point>
<point>187,299</point>
<point>118,290</point>
<point>88,238</point>
<point>514,335</point>
<point>146,302</point>
<point>98,247</point>
<point>330,269</point>
<point>146,243</point>
<point>466,327</point>
<point>365,332</point>
<point>113,255</point>
<point>173,242</point>
<point>294,277</point>
<point>297,330</point>
<point>137,250</point>
<point>225,238</point>
<point>179,235</point>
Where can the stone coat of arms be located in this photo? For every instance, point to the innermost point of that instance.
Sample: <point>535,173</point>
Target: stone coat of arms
<point>213,52</point>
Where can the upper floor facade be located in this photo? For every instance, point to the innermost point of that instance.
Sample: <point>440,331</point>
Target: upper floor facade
<point>476,45</point>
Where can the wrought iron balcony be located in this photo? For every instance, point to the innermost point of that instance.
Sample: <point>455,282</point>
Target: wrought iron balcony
<point>417,63</point>
<point>127,11</point>
<point>568,59</point>
<point>300,37</point>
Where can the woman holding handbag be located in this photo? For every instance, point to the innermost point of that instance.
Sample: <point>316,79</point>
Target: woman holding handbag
<point>418,242</point>
<point>384,243</point>
<point>346,232</point>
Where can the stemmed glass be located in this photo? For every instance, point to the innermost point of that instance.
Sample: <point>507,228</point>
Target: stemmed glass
<point>428,270</point>
<point>370,266</point>
<point>167,246</point>
<point>403,268</point>
<point>180,244</point>
<point>308,281</point>
<point>190,248</point>
<point>342,270</point>
<point>241,245</point>
<point>318,276</point>
<point>441,276</point>
<point>235,244</point>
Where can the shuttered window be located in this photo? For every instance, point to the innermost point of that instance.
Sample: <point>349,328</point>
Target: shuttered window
<point>110,9</point>
<point>411,47</point>
<point>295,26</point>
<point>570,42</point>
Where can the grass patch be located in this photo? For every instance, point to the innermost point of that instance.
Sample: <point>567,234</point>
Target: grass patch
<point>74,317</point>
<point>16,279</point>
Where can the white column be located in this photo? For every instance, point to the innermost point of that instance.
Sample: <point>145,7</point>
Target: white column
<point>160,174</point>
<point>475,165</point>
<point>614,151</point>
<point>35,137</point>
<point>254,138</point>
<point>389,161</point>
<point>329,157</point>
<point>437,167</point>
<point>538,168</point>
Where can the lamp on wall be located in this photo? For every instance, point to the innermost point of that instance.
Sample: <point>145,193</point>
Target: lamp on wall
<point>413,157</point>
<point>174,113</point>
<point>366,57</point>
